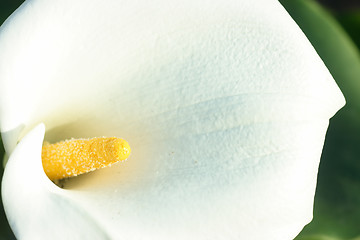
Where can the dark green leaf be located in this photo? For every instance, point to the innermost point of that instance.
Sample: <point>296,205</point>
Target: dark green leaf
<point>6,8</point>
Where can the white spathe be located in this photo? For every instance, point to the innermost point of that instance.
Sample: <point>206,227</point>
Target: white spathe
<point>38,201</point>
<point>225,106</point>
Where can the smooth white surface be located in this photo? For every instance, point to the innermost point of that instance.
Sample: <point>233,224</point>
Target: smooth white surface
<point>225,106</point>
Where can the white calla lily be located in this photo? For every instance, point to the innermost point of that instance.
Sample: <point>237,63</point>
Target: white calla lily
<point>225,106</point>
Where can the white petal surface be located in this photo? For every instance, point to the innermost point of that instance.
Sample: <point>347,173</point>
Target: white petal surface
<point>225,105</point>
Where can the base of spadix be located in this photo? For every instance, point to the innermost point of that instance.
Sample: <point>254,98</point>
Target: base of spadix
<point>30,198</point>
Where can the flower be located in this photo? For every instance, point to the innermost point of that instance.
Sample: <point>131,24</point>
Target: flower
<point>225,106</point>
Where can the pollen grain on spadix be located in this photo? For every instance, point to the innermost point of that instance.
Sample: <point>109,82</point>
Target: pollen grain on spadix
<point>70,158</point>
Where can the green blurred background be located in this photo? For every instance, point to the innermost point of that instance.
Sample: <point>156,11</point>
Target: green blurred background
<point>333,27</point>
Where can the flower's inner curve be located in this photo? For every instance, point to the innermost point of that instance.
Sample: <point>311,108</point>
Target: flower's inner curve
<point>77,156</point>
